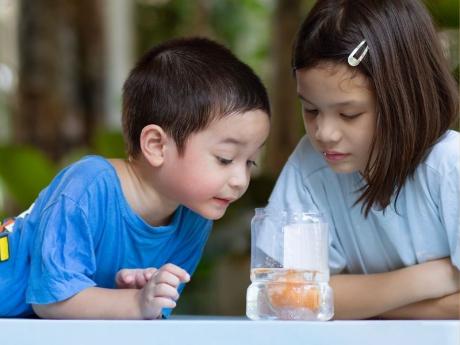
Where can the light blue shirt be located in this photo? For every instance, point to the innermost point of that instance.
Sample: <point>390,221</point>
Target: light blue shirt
<point>425,226</point>
<point>81,232</point>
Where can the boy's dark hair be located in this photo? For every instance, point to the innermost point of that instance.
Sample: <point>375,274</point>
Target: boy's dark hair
<point>416,95</point>
<point>184,84</point>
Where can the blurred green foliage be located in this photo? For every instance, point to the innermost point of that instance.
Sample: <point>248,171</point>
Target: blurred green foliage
<point>241,25</point>
<point>25,171</point>
<point>444,12</point>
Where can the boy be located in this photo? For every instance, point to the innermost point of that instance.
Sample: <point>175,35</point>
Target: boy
<point>194,119</point>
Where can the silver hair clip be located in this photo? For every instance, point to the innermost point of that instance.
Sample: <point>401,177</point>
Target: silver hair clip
<point>352,60</point>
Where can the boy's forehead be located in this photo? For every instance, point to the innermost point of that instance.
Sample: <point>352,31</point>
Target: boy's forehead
<point>231,141</point>
<point>238,129</point>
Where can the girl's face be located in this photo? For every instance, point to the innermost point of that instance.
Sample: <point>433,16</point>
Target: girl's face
<point>339,114</point>
<point>215,168</point>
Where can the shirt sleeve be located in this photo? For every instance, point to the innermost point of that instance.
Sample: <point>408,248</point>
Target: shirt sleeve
<point>449,209</point>
<point>62,254</point>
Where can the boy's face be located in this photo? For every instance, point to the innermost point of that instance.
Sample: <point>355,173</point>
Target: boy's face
<point>339,114</point>
<point>215,167</point>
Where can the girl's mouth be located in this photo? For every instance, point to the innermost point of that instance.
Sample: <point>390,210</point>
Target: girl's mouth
<point>334,156</point>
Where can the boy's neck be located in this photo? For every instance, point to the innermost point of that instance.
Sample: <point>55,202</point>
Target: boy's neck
<point>138,189</point>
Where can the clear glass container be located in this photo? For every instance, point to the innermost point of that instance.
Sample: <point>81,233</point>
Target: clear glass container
<point>289,267</point>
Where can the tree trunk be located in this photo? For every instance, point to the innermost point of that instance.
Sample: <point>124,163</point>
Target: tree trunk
<point>60,74</point>
<point>286,121</point>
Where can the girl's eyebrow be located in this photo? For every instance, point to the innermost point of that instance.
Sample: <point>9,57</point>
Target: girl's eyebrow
<point>303,98</point>
<point>338,104</point>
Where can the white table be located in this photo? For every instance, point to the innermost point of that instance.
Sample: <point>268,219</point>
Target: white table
<point>223,330</point>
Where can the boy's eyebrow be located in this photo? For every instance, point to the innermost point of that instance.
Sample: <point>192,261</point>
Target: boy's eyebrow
<point>230,140</point>
<point>237,142</point>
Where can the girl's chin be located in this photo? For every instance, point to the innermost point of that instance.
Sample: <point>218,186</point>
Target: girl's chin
<point>343,169</point>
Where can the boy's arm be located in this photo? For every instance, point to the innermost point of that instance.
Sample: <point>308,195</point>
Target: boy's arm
<point>447,307</point>
<point>366,296</point>
<point>100,303</point>
<point>94,303</point>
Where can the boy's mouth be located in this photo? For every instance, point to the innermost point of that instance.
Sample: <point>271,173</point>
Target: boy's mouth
<point>223,201</point>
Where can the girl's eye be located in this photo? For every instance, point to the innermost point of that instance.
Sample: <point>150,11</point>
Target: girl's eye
<point>251,163</point>
<point>310,111</point>
<point>224,161</point>
<point>350,116</point>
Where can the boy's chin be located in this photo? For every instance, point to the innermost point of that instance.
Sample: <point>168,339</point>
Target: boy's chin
<point>211,214</point>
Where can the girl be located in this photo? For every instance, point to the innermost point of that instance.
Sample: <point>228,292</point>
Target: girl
<point>379,160</point>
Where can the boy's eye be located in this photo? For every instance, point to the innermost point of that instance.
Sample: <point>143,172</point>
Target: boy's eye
<point>224,161</point>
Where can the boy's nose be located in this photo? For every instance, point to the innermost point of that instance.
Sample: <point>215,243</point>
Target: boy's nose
<point>240,178</point>
<point>327,129</point>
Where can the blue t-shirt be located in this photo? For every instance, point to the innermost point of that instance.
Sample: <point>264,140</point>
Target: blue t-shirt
<point>424,226</point>
<point>81,232</point>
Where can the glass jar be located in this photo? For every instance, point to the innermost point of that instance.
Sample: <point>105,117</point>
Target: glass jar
<point>289,267</point>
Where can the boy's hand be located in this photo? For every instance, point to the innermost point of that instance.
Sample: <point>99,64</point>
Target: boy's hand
<point>133,278</point>
<point>161,290</point>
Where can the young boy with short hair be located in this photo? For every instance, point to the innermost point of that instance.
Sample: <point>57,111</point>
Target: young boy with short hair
<point>194,120</point>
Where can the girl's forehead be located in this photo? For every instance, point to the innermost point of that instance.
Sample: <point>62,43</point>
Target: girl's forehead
<point>332,75</point>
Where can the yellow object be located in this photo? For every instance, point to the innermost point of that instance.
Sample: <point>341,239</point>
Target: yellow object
<point>4,250</point>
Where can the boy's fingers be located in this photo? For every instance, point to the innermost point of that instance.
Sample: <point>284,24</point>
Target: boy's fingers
<point>140,280</point>
<point>124,277</point>
<point>167,278</point>
<point>149,272</point>
<point>177,271</point>
<point>165,290</point>
<point>165,302</point>
<point>144,276</point>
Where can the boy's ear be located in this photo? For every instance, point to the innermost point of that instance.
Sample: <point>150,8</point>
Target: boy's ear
<point>153,142</point>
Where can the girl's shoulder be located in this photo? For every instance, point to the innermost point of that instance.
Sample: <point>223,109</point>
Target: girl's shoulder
<point>444,156</point>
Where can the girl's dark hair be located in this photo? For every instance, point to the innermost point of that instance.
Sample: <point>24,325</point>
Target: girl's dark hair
<point>184,84</point>
<point>416,95</point>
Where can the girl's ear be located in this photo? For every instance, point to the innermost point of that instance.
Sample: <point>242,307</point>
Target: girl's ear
<point>153,142</point>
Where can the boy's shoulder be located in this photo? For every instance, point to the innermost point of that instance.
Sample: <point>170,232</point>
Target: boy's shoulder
<point>76,179</point>
<point>88,168</point>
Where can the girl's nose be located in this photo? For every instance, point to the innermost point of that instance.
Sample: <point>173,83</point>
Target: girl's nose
<point>327,129</point>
